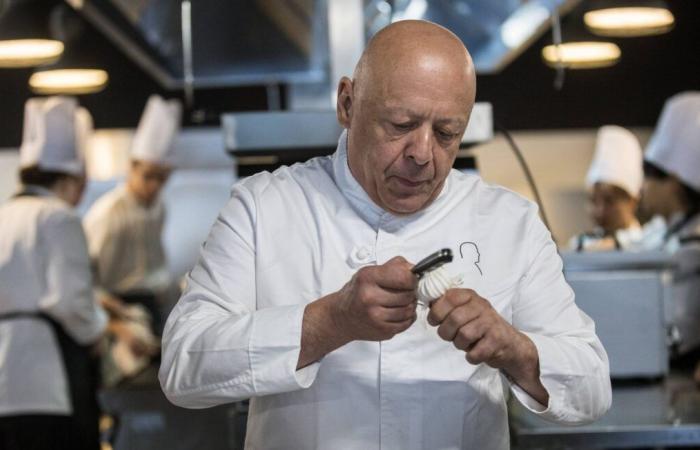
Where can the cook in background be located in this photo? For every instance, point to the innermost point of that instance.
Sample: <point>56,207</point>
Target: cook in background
<point>49,320</point>
<point>671,194</point>
<point>124,228</point>
<point>614,181</point>
<point>671,188</point>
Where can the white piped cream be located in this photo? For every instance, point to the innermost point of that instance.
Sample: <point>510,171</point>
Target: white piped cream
<point>434,284</point>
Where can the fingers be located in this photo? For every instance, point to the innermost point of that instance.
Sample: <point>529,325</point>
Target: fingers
<point>400,327</point>
<point>396,274</point>
<point>469,335</point>
<point>486,350</point>
<point>457,320</point>
<point>371,294</point>
<point>397,315</point>
<point>473,326</point>
<point>391,284</point>
<point>442,307</point>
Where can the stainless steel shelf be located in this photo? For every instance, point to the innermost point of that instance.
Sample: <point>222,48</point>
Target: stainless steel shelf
<point>663,413</point>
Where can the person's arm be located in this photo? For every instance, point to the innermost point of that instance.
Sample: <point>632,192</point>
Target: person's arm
<point>101,232</point>
<point>69,298</point>
<point>469,321</point>
<point>376,304</point>
<point>550,355</point>
<point>218,347</point>
<point>320,334</point>
<point>573,365</point>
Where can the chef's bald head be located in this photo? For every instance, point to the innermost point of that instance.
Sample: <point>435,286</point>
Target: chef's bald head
<point>404,48</point>
<point>405,111</point>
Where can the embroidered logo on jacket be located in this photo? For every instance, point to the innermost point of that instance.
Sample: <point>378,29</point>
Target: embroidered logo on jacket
<point>470,251</point>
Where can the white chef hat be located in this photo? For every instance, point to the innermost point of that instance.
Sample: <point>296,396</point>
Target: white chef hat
<point>617,160</point>
<point>675,145</point>
<point>157,128</point>
<point>49,138</point>
<point>83,131</point>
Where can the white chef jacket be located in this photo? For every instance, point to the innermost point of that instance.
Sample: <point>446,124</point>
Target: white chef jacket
<point>670,237</point>
<point>288,238</point>
<point>124,241</point>
<point>624,239</point>
<point>44,267</point>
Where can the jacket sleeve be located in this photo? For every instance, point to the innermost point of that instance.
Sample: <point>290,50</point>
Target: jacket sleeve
<point>103,238</point>
<point>574,366</point>
<point>68,295</point>
<point>217,346</point>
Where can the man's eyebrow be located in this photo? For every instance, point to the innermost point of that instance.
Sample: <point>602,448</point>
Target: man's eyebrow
<point>448,121</point>
<point>412,114</point>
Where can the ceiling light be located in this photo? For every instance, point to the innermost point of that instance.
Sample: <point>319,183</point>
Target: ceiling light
<point>29,52</point>
<point>68,81</point>
<point>581,55</point>
<point>25,39</point>
<point>629,21</point>
<point>76,72</point>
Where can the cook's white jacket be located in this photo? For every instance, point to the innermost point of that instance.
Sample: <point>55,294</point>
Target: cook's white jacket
<point>44,267</point>
<point>288,238</point>
<point>124,241</point>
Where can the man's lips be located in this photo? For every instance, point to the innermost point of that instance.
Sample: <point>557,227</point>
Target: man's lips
<point>408,182</point>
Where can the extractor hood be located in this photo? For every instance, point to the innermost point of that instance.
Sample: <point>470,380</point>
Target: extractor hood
<point>262,42</point>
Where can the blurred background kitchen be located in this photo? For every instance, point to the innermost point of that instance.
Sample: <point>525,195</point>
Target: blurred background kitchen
<point>254,83</point>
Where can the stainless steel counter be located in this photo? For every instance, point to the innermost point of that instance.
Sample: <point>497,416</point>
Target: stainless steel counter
<point>660,413</point>
<point>664,413</point>
<point>143,419</point>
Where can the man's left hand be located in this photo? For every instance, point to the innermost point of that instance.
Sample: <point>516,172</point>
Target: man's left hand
<point>473,325</point>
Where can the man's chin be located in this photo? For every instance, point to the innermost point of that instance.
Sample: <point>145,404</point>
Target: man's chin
<point>402,206</point>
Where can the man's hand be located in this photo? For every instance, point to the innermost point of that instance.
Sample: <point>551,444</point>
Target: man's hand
<point>378,302</point>
<point>471,324</point>
<point>375,305</point>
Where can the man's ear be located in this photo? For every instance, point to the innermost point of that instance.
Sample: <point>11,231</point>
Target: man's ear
<point>345,102</point>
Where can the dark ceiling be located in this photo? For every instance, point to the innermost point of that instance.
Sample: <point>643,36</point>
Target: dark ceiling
<point>630,93</point>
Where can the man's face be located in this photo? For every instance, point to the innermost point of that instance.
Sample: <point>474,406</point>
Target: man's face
<point>146,180</point>
<point>403,138</point>
<point>611,208</point>
<point>74,188</point>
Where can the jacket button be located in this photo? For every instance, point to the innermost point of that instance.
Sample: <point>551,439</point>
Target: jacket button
<point>363,253</point>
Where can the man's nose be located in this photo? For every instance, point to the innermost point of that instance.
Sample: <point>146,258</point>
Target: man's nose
<point>420,148</point>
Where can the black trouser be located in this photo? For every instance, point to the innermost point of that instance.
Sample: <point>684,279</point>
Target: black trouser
<point>38,432</point>
<point>82,371</point>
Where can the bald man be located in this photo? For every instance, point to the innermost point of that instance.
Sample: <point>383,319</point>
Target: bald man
<point>303,299</point>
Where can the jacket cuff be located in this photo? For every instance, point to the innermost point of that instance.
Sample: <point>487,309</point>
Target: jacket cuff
<point>553,376</point>
<point>274,347</point>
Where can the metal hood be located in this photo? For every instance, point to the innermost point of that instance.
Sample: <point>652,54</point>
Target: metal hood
<point>244,42</point>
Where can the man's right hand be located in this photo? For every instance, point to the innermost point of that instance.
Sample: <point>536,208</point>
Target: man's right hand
<point>375,305</point>
<point>378,302</point>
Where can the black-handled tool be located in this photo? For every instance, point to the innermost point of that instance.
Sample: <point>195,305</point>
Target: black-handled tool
<point>432,262</point>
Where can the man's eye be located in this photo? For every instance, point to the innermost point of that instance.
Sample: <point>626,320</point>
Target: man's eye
<point>446,135</point>
<point>403,126</point>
